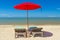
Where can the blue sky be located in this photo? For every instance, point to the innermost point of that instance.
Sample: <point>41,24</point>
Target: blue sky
<point>50,8</point>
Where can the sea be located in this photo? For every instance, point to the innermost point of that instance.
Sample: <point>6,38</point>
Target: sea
<point>35,20</point>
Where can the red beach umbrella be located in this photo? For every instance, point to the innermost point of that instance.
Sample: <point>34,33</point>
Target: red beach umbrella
<point>27,6</point>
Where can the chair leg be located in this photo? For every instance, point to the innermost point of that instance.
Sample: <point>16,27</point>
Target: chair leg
<point>33,34</point>
<point>16,36</point>
<point>24,34</point>
<point>42,34</point>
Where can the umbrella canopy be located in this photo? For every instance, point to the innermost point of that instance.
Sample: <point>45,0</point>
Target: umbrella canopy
<point>27,6</point>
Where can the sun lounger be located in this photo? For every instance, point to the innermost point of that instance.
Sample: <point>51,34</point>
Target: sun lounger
<point>37,31</point>
<point>30,30</point>
<point>19,32</point>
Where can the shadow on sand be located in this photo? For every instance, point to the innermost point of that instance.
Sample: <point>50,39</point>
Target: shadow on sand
<point>45,34</point>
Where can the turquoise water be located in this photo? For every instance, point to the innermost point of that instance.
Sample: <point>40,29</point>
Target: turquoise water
<point>41,20</point>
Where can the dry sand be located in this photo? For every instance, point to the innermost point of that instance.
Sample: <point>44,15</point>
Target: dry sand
<point>7,33</point>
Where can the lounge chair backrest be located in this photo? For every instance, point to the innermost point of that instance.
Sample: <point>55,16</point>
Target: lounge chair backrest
<point>20,30</point>
<point>37,29</point>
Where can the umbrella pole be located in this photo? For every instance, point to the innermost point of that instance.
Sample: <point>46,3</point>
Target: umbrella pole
<point>27,20</point>
<point>27,24</point>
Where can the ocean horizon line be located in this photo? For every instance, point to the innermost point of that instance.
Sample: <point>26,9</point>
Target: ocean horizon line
<point>30,17</point>
<point>19,20</point>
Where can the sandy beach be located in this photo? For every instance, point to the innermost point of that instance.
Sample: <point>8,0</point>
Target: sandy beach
<point>7,33</point>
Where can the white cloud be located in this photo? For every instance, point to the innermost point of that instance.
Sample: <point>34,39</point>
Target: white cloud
<point>4,15</point>
<point>52,16</point>
<point>11,15</point>
<point>58,8</point>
